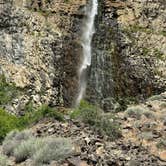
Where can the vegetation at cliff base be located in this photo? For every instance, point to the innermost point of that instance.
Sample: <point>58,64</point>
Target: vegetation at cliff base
<point>33,116</point>
<point>98,120</point>
<point>10,122</point>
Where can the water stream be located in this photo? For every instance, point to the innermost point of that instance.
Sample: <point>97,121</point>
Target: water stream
<point>86,39</point>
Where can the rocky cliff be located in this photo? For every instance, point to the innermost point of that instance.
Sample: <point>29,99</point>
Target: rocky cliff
<point>40,50</point>
<point>129,51</point>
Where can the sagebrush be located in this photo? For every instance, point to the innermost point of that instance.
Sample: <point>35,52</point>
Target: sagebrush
<point>23,145</point>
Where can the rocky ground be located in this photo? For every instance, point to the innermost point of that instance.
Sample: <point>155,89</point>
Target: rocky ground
<point>142,142</point>
<point>148,127</point>
<point>92,149</point>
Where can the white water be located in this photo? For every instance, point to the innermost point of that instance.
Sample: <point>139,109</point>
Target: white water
<point>88,31</point>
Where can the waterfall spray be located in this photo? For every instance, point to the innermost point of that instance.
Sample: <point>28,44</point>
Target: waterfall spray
<point>86,39</point>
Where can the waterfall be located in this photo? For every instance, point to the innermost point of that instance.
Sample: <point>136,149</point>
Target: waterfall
<point>86,39</point>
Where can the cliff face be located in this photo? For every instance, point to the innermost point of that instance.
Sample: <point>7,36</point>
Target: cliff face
<point>129,51</point>
<point>40,50</point>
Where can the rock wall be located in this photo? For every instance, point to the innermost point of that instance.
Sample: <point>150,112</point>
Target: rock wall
<point>129,51</point>
<point>40,49</point>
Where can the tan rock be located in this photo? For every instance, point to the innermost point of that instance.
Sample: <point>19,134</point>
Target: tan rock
<point>163,156</point>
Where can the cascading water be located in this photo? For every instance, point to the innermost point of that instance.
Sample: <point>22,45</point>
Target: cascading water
<point>86,39</point>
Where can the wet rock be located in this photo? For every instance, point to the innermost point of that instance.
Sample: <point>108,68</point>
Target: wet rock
<point>130,63</point>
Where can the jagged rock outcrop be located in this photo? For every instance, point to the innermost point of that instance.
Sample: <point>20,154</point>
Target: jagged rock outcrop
<point>40,50</point>
<point>129,51</point>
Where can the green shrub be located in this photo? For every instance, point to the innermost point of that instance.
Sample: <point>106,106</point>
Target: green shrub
<point>135,112</point>
<point>23,145</point>
<point>138,111</point>
<point>42,112</point>
<point>14,139</point>
<point>149,114</point>
<point>146,135</point>
<point>27,148</point>
<point>86,112</point>
<point>3,160</point>
<point>19,144</point>
<point>8,122</point>
<point>7,91</point>
<point>53,149</point>
<point>29,107</point>
<point>109,127</point>
<point>47,111</point>
<point>95,117</point>
<point>43,150</point>
<point>161,144</point>
<point>163,33</point>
